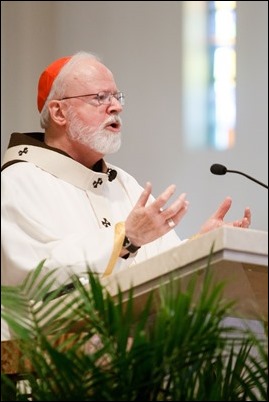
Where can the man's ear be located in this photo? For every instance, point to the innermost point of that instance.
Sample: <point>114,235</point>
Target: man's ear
<point>57,112</point>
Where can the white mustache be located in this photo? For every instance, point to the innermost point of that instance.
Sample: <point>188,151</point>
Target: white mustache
<point>112,120</point>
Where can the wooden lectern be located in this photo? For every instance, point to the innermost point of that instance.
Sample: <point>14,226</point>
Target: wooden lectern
<point>239,257</point>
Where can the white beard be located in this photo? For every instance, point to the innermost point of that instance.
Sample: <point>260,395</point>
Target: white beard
<point>102,141</point>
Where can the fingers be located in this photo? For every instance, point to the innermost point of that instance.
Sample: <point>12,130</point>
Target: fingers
<point>174,213</point>
<point>245,222</point>
<point>181,212</point>
<point>142,200</point>
<point>164,197</point>
<point>247,218</point>
<point>148,221</point>
<point>160,201</point>
<point>223,209</point>
<point>176,209</point>
<point>217,219</point>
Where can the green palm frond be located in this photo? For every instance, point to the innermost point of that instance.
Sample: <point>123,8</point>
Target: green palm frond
<point>90,346</point>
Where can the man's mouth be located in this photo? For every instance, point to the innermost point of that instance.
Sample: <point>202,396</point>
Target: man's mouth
<point>115,125</point>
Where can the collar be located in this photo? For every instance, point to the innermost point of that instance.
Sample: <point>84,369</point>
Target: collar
<point>30,147</point>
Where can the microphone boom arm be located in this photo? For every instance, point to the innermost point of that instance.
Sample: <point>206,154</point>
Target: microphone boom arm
<point>249,177</point>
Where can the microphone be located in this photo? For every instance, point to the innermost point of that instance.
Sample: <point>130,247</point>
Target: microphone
<point>220,170</point>
<point>112,174</point>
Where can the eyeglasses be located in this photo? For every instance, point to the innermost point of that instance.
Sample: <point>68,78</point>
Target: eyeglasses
<point>103,98</point>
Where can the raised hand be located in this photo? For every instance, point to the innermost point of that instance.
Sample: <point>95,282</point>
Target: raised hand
<point>217,219</point>
<point>146,223</point>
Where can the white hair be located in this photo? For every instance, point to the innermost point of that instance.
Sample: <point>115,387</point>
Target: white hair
<point>58,87</point>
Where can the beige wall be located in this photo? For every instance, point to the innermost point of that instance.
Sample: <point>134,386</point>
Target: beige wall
<point>141,43</point>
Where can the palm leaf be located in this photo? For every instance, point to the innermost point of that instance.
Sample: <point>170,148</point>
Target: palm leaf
<point>86,345</point>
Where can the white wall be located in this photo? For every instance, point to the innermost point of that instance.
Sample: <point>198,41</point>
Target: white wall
<point>141,43</point>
